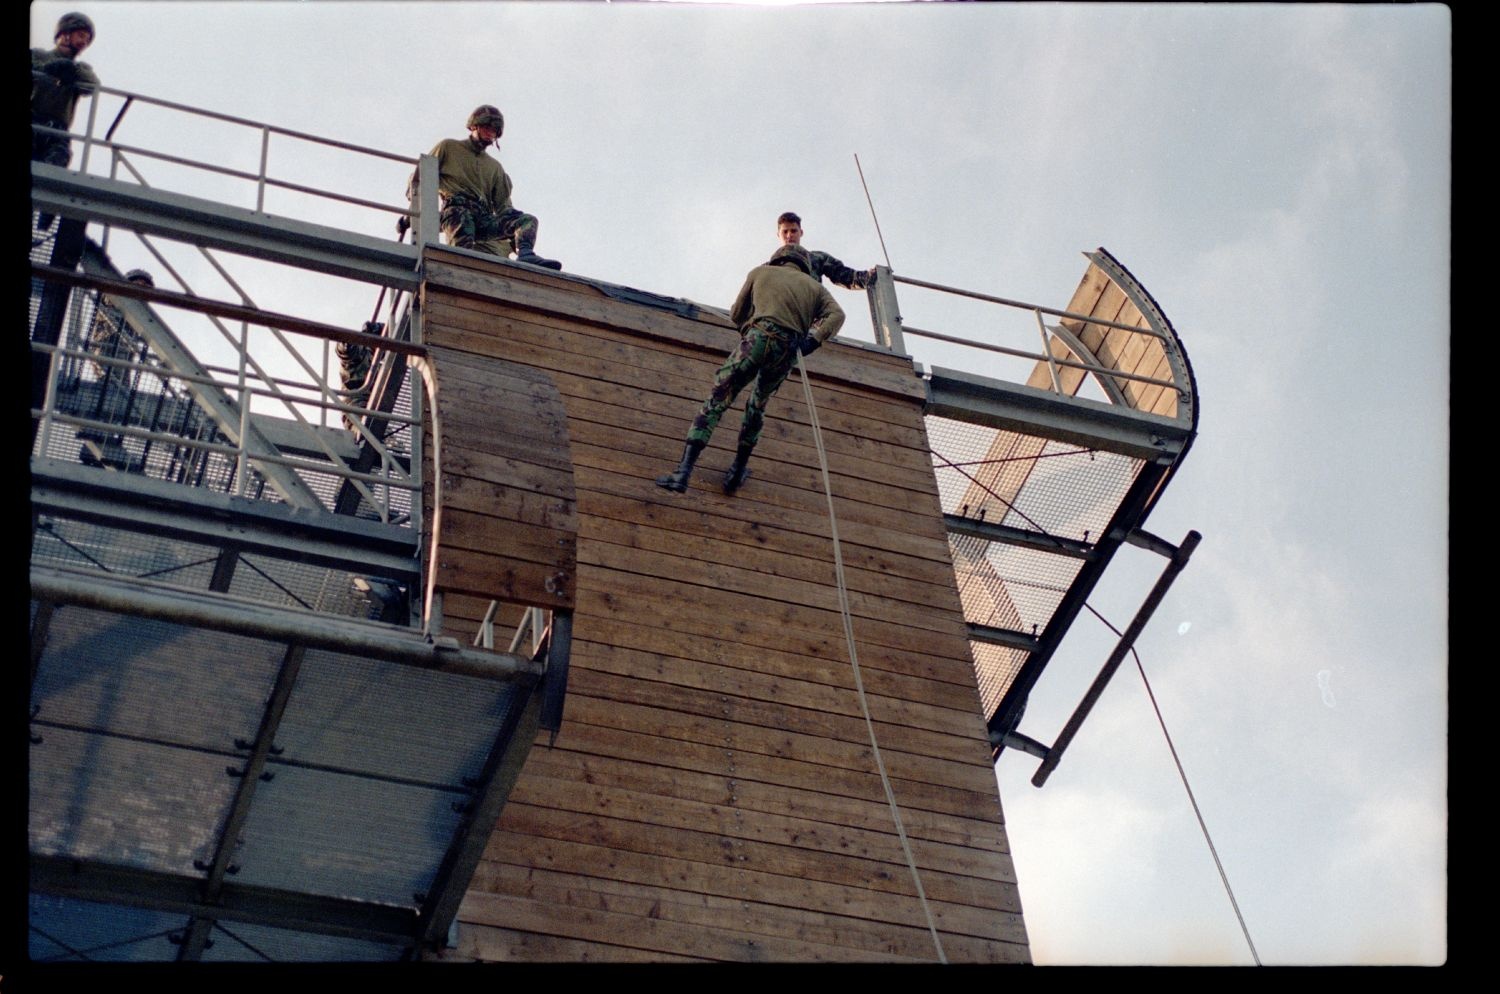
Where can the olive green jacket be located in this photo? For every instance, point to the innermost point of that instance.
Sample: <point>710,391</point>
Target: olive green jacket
<point>463,167</point>
<point>51,97</point>
<point>788,296</point>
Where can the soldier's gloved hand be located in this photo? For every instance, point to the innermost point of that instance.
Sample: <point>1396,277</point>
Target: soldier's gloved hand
<point>809,344</point>
<point>62,70</point>
<point>870,277</point>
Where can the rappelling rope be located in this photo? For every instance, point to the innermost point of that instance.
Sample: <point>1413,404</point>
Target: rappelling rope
<point>859,684</point>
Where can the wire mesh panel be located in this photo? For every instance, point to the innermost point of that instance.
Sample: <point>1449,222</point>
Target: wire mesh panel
<point>246,942</point>
<point>1042,491</point>
<point>66,930</point>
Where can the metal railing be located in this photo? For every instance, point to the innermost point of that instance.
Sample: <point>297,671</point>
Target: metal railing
<point>137,395</point>
<point>252,380</point>
<point>890,331</point>
<point>261,176</point>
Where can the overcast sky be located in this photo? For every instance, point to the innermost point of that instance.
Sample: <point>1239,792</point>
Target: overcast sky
<point>1277,176</point>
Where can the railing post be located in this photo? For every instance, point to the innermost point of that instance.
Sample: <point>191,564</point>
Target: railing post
<point>88,134</point>
<point>427,201</point>
<point>885,312</point>
<point>265,154</point>
<point>1047,351</point>
<point>242,467</point>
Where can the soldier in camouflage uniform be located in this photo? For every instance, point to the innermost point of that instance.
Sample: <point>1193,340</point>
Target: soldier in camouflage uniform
<point>789,230</point>
<point>111,335</point>
<point>58,79</point>
<point>475,195</point>
<point>355,361</point>
<point>781,311</point>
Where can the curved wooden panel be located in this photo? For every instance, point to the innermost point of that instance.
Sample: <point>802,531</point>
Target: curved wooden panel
<point>1109,292</point>
<point>500,513</point>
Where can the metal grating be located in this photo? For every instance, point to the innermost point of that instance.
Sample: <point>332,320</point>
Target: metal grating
<point>1042,489</point>
<point>997,667</point>
<point>60,541</point>
<point>140,734</point>
<point>1025,481</point>
<point>64,930</point>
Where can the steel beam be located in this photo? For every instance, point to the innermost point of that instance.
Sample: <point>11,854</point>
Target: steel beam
<point>156,507</point>
<point>1127,640</point>
<point>140,888</point>
<point>1132,509</point>
<point>1008,637</point>
<point>217,612</point>
<point>1029,411</point>
<point>989,531</point>
<point>214,225</point>
<point>196,938</point>
<point>501,771</point>
<point>1075,345</point>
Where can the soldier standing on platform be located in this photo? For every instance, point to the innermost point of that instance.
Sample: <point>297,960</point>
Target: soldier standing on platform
<point>781,310</point>
<point>789,230</point>
<point>475,195</point>
<point>58,79</point>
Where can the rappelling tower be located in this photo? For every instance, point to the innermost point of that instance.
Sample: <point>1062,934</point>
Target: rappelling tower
<point>420,663</point>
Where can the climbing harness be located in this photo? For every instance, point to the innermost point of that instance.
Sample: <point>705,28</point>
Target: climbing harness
<point>859,684</point>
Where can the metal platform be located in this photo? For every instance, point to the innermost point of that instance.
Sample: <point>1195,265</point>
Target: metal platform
<point>246,743</point>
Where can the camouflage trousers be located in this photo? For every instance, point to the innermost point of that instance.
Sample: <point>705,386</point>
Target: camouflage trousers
<point>470,224</point>
<point>766,354</point>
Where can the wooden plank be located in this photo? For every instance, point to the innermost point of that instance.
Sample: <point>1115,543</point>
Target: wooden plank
<point>596,728</point>
<point>770,873</point>
<point>905,602</point>
<point>916,679</point>
<point>503,537</point>
<point>501,578</point>
<point>852,365</point>
<point>785,689</point>
<point>597,362</point>
<point>815,836</point>
<point>817,752</point>
<point>662,773</point>
<point>487,944</point>
<point>524,507</point>
<point>663,603</point>
<point>845,724</point>
<point>682,373</point>
<point>753,918</point>
<point>933,659</point>
<point>499,295</point>
<point>749,539</point>
<point>584,915</point>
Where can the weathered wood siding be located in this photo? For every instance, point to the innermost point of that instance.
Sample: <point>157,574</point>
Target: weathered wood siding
<point>497,490</point>
<point>712,794</point>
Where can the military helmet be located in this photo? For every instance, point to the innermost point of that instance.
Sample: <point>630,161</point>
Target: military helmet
<point>486,114</point>
<point>142,275</point>
<point>72,22</point>
<point>797,254</point>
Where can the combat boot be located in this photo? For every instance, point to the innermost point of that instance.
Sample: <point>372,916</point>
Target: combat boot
<point>677,480</point>
<point>739,470</point>
<point>525,252</point>
<point>531,258</point>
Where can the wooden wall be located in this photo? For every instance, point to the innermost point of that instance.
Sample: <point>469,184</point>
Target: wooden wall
<point>712,794</point>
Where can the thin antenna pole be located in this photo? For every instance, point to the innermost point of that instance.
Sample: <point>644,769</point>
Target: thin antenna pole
<point>872,211</point>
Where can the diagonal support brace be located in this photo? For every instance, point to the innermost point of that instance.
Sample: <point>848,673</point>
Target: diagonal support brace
<point>1179,559</point>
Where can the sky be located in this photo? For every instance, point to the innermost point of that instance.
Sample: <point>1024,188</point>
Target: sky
<point>1277,176</point>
